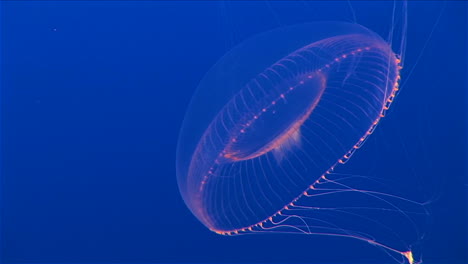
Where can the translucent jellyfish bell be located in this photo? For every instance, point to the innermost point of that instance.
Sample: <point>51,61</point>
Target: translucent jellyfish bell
<point>274,117</point>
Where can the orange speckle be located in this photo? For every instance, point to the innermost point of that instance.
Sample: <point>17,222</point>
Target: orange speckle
<point>409,256</point>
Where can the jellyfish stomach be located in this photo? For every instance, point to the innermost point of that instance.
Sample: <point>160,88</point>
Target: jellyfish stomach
<point>276,125</point>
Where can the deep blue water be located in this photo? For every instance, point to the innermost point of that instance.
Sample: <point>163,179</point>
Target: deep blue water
<point>93,95</point>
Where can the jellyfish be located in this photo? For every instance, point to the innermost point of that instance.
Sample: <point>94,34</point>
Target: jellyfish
<point>273,119</point>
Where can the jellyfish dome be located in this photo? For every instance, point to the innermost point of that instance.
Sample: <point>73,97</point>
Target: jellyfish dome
<point>276,114</point>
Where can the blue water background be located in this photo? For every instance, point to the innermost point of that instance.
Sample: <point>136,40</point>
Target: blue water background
<point>93,95</point>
